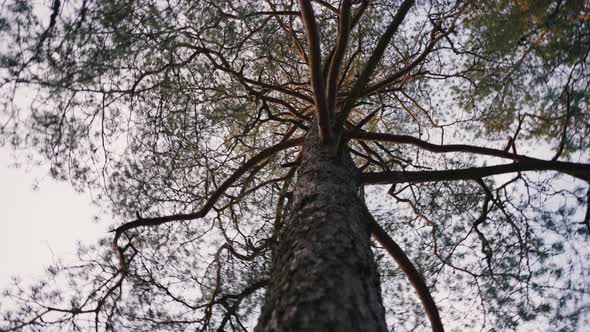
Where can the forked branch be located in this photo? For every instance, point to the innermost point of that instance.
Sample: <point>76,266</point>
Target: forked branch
<point>375,58</point>
<point>435,38</point>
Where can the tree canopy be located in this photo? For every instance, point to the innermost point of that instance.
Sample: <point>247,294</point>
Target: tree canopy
<point>468,121</point>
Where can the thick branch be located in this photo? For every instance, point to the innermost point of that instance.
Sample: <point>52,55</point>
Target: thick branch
<point>581,171</point>
<point>355,19</point>
<point>359,13</point>
<point>586,220</point>
<point>315,66</point>
<point>408,269</point>
<point>338,56</point>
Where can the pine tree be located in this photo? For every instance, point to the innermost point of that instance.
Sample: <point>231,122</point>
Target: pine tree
<point>252,149</point>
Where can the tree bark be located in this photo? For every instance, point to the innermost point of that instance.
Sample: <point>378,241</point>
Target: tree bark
<point>323,276</point>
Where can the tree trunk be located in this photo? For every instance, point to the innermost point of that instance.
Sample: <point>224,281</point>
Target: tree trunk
<point>324,276</point>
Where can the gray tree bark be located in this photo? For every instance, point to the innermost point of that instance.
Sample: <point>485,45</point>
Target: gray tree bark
<point>324,277</point>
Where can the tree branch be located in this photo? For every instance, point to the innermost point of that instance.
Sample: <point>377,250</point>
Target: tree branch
<point>375,58</point>
<point>226,67</point>
<point>327,5</point>
<point>581,171</point>
<point>359,13</point>
<point>289,30</point>
<point>586,220</point>
<point>418,60</point>
<point>315,68</point>
<point>355,19</point>
<point>578,170</point>
<point>404,139</point>
<point>156,221</point>
<point>408,269</point>
<point>338,56</point>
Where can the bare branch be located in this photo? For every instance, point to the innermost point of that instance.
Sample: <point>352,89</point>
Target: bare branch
<point>417,61</point>
<point>485,244</point>
<point>338,56</point>
<point>586,220</point>
<point>289,30</point>
<point>581,171</point>
<point>568,115</point>
<point>327,5</point>
<point>404,139</point>
<point>156,221</point>
<point>408,269</point>
<point>359,13</point>
<point>315,66</point>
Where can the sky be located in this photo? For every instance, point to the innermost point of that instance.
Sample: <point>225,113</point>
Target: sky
<point>41,220</point>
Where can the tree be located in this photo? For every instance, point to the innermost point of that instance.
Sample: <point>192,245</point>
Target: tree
<point>243,140</point>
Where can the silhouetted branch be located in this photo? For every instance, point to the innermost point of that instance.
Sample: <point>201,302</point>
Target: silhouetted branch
<point>315,67</point>
<point>408,269</point>
<point>375,58</point>
<point>581,171</point>
<point>586,220</point>
<point>404,139</point>
<point>338,56</point>
<point>375,87</point>
<point>156,221</point>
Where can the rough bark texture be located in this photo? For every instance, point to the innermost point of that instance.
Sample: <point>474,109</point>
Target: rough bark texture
<point>324,276</point>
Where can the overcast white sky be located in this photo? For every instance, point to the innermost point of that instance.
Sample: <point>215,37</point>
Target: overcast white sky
<point>38,226</point>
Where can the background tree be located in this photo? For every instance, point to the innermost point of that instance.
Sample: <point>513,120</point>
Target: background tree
<point>236,133</point>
